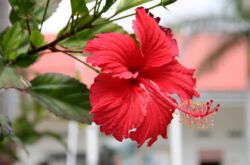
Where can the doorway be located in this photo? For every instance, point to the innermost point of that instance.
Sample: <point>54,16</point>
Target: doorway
<point>210,157</point>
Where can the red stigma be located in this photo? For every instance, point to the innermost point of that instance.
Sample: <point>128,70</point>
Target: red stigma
<point>197,114</point>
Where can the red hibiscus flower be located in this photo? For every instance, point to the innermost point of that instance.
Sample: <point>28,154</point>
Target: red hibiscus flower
<point>132,97</point>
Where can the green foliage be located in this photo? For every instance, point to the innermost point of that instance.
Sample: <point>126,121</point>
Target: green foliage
<point>62,95</point>
<point>14,45</point>
<point>10,40</point>
<point>40,7</point>
<point>74,25</point>
<point>167,2</point>
<point>31,116</point>
<point>5,127</point>
<point>127,4</point>
<point>24,130</point>
<point>33,10</point>
<point>37,38</point>
<point>25,60</point>
<point>10,79</point>
<point>78,41</point>
<point>22,9</point>
<point>243,9</point>
<point>108,4</point>
<point>79,7</point>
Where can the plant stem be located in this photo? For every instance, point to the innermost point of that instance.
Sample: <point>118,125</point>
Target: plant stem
<point>28,26</point>
<point>84,63</point>
<point>44,14</point>
<point>29,31</point>
<point>98,6</point>
<point>74,57</point>
<point>72,51</point>
<point>96,3</point>
<point>129,15</point>
<point>122,17</point>
<point>53,43</point>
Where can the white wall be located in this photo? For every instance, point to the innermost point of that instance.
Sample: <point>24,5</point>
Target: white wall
<point>234,151</point>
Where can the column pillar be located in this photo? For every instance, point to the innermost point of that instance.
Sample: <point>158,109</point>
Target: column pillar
<point>92,147</point>
<point>73,129</point>
<point>176,142</point>
<point>247,126</point>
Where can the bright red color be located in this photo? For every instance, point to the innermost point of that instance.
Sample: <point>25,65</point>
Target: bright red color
<point>131,98</point>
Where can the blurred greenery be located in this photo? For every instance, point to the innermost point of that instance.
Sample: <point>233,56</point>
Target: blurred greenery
<point>24,130</point>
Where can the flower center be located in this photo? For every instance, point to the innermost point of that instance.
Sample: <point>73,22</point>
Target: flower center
<point>133,70</point>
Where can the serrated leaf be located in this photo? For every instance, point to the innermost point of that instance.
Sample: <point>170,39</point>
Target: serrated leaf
<point>10,79</point>
<point>79,7</point>
<point>5,127</point>
<point>78,41</point>
<point>62,95</point>
<point>40,9</point>
<point>32,10</point>
<point>22,8</point>
<point>36,38</point>
<point>14,45</point>
<point>10,39</point>
<point>127,4</point>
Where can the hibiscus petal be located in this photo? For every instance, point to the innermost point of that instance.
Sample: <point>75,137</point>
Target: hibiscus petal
<point>118,105</point>
<point>157,46</point>
<point>173,78</point>
<point>156,121</point>
<point>113,53</point>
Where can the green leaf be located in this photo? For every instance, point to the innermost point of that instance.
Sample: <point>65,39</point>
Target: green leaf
<point>79,7</point>
<point>75,25</point>
<point>32,10</point>
<point>22,8</point>
<point>78,41</point>
<point>167,2</point>
<point>27,136</point>
<point>37,38</point>
<point>62,95</point>
<point>40,9</point>
<point>127,4</point>
<point>108,4</point>
<point>14,45</point>
<point>25,60</point>
<point>10,39</point>
<point>10,79</point>
<point>5,127</point>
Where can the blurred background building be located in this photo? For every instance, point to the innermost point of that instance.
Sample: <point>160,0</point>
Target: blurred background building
<point>213,36</point>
